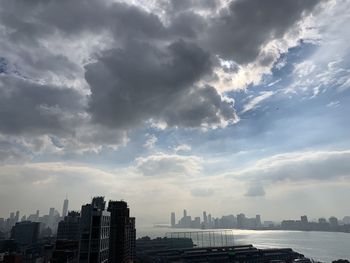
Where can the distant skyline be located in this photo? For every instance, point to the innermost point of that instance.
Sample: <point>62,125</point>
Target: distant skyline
<point>232,106</point>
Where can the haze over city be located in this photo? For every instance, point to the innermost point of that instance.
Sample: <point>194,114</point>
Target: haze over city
<point>222,106</point>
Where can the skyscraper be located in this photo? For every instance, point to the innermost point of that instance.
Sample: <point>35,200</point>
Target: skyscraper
<point>65,208</point>
<point>173,219</point>
<point>304,220</point>
<point>94,232</point>
<point>51,219</point>
<point>68,228</point>
<point>185,213</point>
<point>205,218</point>
<point>17,217</point>
<point>258,220</point>
<point>25,233</point>
<point>241,221</point>
<point>122,238</point>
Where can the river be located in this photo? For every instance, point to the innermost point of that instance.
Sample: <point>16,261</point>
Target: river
<point>323,246</point>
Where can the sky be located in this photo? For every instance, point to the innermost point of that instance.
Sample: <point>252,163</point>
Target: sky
<point>227,106</point>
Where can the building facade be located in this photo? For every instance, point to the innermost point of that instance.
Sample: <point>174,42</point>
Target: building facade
<point>94,232</point>
<point>122,239</point>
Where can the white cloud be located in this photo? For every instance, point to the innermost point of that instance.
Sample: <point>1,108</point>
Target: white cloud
<point>182,148</point>
<point>333,104</point>
<point>327,67</point>
<point>164,165</point>
<point>326,166</point>
<point>151,140</point>
<point>253,103</point>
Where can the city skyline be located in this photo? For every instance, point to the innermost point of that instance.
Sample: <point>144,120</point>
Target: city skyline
<point>19,216</point>
<point>230,105</point>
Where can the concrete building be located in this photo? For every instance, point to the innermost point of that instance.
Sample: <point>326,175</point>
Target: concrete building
<point>65,208</point>
<point>122,233</point>
<point>241,221</point>
<point>94,232</point>
<point>25,233</point>
<point>68,228</point>
<point>333,222</point>
<point>205,218</point>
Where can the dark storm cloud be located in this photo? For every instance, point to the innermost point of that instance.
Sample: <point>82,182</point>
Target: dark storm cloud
<point>142,82</point>
<point>28,107</point>
<point>247,25</point>
<point>183,5</point>
<point>151,67</point>
<point>187,25</point>
<point>38,18</point>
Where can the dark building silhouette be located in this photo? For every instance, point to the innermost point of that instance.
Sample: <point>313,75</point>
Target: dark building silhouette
<point>25,233</point>
<point>94,232</point>
<point>122,233</point>
<point>69,227</point>
<point>158,251</point>
<point>65,251</point>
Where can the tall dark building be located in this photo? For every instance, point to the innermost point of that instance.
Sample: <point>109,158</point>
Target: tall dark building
<point>65,208</point>
<point>25,233</point>
<point>69,227</point>
<point>94,232</point>
<point>122,239</point>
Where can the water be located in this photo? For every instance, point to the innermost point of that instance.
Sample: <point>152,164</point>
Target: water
<point>323,246</point>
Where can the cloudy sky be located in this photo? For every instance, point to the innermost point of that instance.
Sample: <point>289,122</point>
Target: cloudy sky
<point>227,106</point>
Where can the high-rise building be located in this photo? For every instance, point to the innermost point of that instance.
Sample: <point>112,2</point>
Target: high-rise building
<point>322,221</point>
<point>17,217</point>
<point>333,221</point>
<point>51,218</point>
<point>346,220</point>
<point>68,228</point>
<point>65,208</point>
<point>241,221</point>
<point>94,232</point>
<point>122,239</point>
<point>185,213</point>
<point>205,218</point>
<point>173,219</point>
<point>25,233</point>
<point>209,221</point>
<point>304,220</point>
<point>196,223</point>
<point>258,220</point>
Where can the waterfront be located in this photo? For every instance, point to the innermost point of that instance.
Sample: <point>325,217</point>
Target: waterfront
<point>323,246</point>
